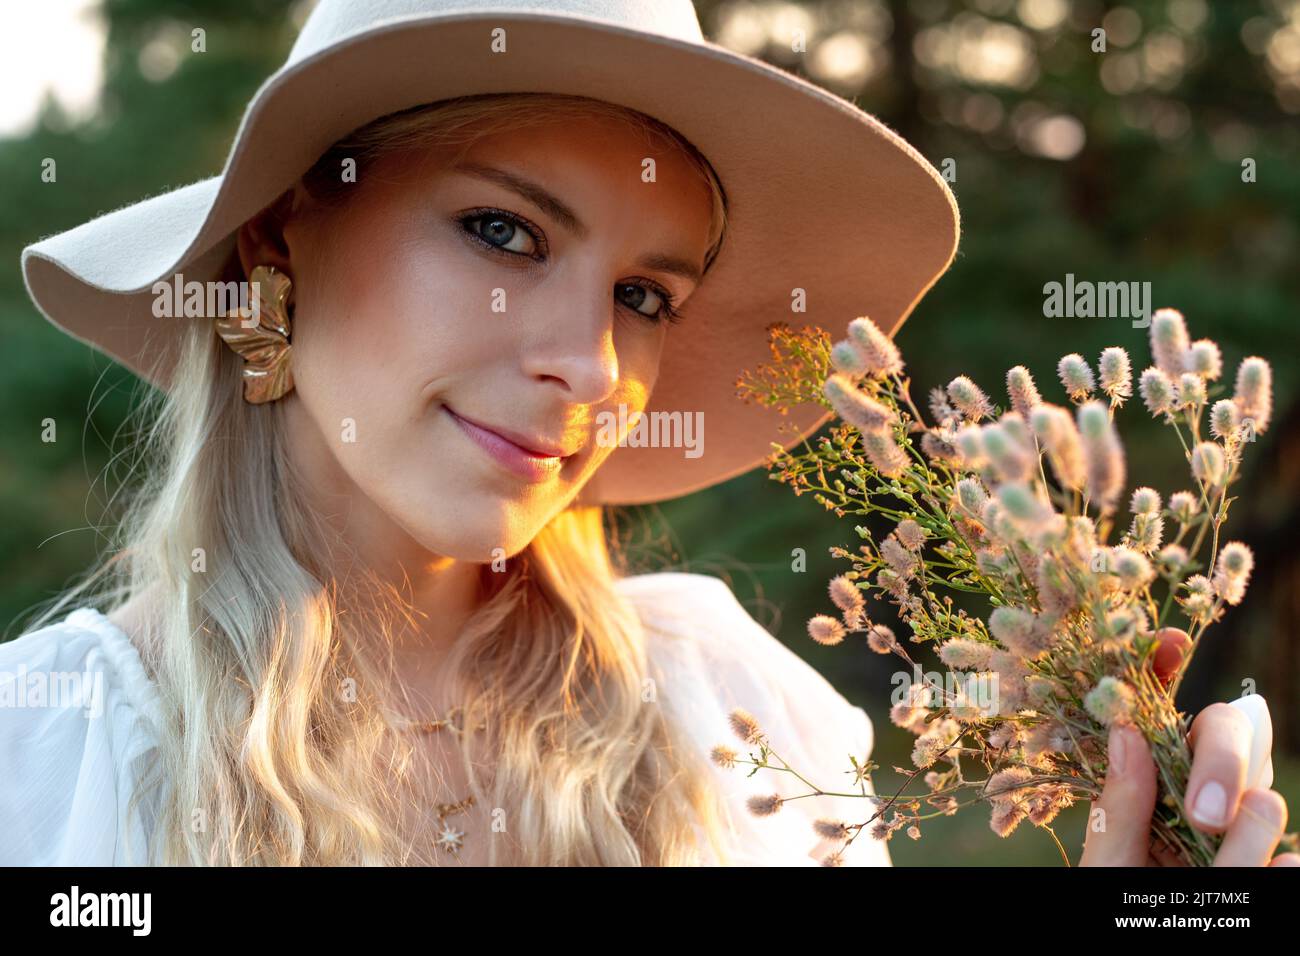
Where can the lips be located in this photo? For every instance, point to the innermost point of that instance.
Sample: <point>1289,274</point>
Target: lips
<point>530,458</point>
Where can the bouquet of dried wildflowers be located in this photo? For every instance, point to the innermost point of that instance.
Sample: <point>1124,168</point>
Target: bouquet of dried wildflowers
<point>1018,507</point>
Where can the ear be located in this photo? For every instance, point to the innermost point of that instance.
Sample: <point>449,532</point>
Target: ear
<point>261,239</point>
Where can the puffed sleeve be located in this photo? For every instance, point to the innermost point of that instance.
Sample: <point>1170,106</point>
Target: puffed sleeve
<point>73,730</point>
<point>709,657</point>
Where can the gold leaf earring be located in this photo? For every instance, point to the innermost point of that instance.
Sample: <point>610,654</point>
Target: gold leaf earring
<point>260,334</point>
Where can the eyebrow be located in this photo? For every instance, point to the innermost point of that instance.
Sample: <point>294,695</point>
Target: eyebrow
<point>556,208</point>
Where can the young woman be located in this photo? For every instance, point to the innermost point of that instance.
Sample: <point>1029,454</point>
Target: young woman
<point>364,608</point>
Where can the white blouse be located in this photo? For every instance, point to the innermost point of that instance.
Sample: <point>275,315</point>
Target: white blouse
<point>78,712</point>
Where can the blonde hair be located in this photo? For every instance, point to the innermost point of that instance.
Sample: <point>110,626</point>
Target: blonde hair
<point>261,758</point>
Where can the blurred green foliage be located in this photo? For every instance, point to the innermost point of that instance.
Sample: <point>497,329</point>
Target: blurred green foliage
<point>1116,166</point>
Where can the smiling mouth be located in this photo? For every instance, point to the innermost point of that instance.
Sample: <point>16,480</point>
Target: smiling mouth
<point>526,463</point>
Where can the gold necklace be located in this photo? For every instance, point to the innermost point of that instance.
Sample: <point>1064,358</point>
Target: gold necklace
<point>449,839</point>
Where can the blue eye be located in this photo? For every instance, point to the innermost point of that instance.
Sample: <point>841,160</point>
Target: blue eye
<point>502,231</point>
<point>637,296</point>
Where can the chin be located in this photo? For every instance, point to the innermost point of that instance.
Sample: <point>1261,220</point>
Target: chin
<point>480,539</point>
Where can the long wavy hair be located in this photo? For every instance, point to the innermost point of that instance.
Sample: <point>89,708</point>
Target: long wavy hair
<point>273,747</point>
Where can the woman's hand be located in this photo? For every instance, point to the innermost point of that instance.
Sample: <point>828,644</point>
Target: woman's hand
<point>1218,800</point>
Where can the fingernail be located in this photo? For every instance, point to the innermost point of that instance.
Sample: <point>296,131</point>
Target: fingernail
<point>1115,749</point>
<point>1211,804</point>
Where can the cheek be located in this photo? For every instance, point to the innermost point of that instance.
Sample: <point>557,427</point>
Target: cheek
<point>639,350</point>
<point>379,323</point>
<point>638,370</point>
<point>338,361</point>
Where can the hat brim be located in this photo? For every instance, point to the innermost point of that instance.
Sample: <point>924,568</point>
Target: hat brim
<point>822,198</point>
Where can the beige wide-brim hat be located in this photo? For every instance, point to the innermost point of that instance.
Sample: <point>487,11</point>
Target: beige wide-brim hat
<point>821,197</point>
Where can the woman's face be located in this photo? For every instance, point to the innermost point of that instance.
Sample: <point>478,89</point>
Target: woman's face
<point>458,330</point>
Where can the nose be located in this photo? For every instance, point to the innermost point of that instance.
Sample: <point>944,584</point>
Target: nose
<point>575,348</point>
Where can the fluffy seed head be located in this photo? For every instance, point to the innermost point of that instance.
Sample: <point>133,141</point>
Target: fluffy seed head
<point>1225,417</point>
<point>745,726</point>
<point>1116,375</point>
<point>1006,817</point>
<point>1076,376</point>
<point>1056,592</point>
<point>1047,738</point>
<point>1022,391</point>
<point>881,639</point>
<point>1082,539</point>
<point>724,757</point>
<point>1205,359</point>
<point>936,449</point>
<point>1110,702</point>
<point>1255,392</point>
<point>1009,786</point>
<point>879,354</point>
<point>1017,429</point>
<point>764,806</point>
<point>1232,572</point>
<point>1169,342</point>
<point>1158,392</point>
<point>1208,463</point>
<point>970,445</point>
<point>1040,639</point>
<point>900,558</point>
<point>943,412</point>
<point>893,582</point>
<point>1145,501</point>
<point>1056,431</point>
<point>1010,458</point>
<point>1025,508</point>
<point>831,829</point>
<point>963,654</point>
<point>1048,803</point>
<point>883,452</point>
<point>825,629</point>
<point>1146,532</point>
<point>1236,559</point>
<point>1173,556</point>
<point>972,497</point>
<point>1103,454</point>
<point>997,521</point>
<point>1184,506</point>
<point>969,398</point>
<point>1191,390</point>
<point>847,359</point>
<point>844,593</point>
<point>927,750</point>
<point>859,410</point>
<point>1199,602</point>
<point>1125,623</point>
<point>910,534</point>
<point>1131,568</point>
<point>1011,626</point>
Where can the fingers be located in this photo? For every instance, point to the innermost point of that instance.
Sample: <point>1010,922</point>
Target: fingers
<point>1286,859</point>
<point>1221,742</point>
<point>1169,653</point>
<point>1255,831</point>
<point>1119,826</point>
